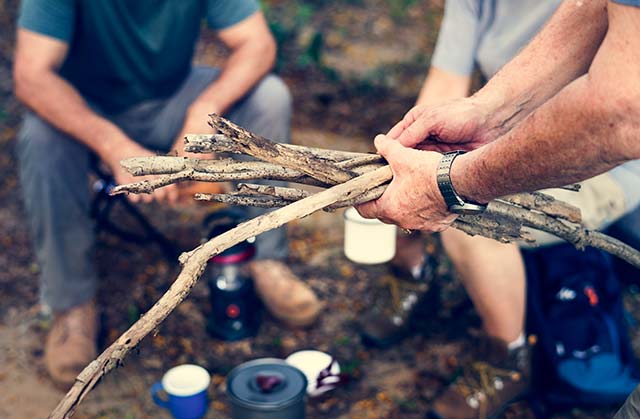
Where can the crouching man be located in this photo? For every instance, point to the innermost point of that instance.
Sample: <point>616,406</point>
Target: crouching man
<point>115,79</point>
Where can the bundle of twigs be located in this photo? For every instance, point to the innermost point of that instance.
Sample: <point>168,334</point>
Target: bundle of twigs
<point>348,178</point>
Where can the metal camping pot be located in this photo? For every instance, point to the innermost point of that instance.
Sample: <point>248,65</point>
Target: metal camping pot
<point>267,388</point>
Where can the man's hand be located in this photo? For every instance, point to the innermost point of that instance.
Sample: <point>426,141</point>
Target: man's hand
<point>125,149</point>
<point>461,124</point>
<point>412,200</point>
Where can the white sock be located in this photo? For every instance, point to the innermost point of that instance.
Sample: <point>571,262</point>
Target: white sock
<point>516,343</point>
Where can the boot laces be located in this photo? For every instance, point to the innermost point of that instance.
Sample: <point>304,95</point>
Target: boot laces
<point>404,295</point>
<point>481,382</point>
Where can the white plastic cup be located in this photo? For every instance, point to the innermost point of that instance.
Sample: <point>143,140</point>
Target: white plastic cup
<point>311,363</point>
<point>368,241</point>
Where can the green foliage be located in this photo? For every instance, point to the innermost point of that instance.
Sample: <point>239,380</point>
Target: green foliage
<point>287,25</point>
<point>312,53</point>
<point>398,8</point>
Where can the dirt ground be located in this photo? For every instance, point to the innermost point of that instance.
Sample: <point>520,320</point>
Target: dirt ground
<point>341,102</point>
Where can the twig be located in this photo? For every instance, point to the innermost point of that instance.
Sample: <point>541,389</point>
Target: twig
<point>263,149</point>
<point>546,203</point>
<point>287,194</point>
<point>270,172</point>
<point>242,200</point>
<point>253,198</point>
<point>220,143</point>
<point>573,233</point>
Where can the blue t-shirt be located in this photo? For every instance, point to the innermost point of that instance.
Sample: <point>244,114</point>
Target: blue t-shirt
<point>635,3</point>
<point>487,33</point>
<point>123,52</point>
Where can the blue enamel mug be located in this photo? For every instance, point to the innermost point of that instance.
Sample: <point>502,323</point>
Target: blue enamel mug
<point>186,387</point>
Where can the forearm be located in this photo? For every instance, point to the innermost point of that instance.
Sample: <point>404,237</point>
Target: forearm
<point>441,86</point>
<point>244,68</point>
<point>60,104</point>
<point>560,53</point>
<point>588,128</point>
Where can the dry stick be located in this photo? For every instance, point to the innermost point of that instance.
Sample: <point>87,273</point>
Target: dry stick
<point>194,263</point>
<point>220,143</point>
<point>263,149</point>
<point>279,200</point>
<point>547,204</point>
<point>573,233</point>
<point>476,229</point>
<point>165,165</point>
<point>243,200</point>
<point>365,160</point>
<point>287,194</point>
<point>502,221</point>
<point>181,169</point>
<point>269,173</point>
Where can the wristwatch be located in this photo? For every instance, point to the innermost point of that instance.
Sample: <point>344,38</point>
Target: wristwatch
<point>454,202</point>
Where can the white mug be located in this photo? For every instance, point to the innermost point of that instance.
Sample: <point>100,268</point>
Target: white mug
<point>368,241</point>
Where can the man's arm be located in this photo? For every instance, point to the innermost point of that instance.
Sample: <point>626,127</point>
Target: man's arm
<point>39,87</point>
<point>253,52</point>
<point>588,128</point>
<point>441,86</point>
<point>560,53</point>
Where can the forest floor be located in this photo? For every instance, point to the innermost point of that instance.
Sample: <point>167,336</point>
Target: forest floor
<point>363,78</point>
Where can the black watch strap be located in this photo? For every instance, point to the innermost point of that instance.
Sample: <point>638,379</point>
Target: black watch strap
<point>454,202</point>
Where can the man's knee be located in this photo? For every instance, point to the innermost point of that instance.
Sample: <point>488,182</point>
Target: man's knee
<point>463,248</point>
<point>457,244</point>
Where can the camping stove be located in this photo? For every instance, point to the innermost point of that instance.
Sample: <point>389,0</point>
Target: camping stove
<point>235,309</point>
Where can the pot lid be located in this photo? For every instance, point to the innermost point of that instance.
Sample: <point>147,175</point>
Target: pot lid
<point>266,384</point>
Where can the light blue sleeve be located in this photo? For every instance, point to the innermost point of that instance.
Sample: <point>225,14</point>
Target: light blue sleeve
<point>458,38</point>
<point>627,176</point>
<point>54,18</point>
<point>224,13</point>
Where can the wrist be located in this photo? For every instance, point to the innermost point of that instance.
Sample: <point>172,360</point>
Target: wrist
<point>111,140</point>
<point>202,107</point>
<point>465,181</point>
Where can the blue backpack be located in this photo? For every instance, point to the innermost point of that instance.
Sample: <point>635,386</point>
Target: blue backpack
<point>583,355</point>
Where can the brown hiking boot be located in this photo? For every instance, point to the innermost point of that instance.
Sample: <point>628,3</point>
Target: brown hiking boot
<point>285,296</point>
<point>71,343</point>
<point>391,317</point>
<point>400,297</point>
<point>485,388</point>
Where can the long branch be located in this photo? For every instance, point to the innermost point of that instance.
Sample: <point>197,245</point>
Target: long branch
<point>220,143</point>
<point>194,263</point>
